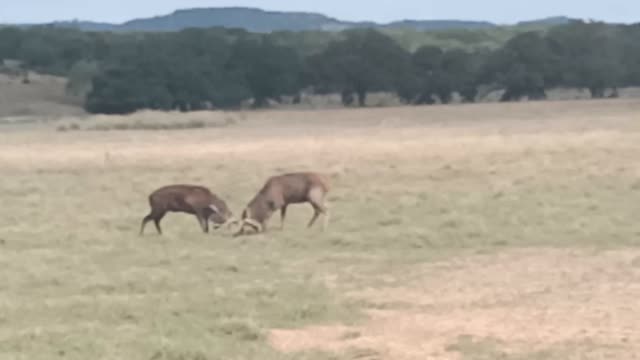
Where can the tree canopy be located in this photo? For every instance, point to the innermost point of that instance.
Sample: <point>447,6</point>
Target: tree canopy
<point>220,68</point>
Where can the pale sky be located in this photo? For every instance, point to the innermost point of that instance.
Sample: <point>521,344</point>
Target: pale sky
<point>499,11</point>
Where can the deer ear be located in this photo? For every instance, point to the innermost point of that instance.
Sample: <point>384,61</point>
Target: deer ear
<point>214,208</point>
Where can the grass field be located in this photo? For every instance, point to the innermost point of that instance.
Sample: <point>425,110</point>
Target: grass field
<point>491,231</point>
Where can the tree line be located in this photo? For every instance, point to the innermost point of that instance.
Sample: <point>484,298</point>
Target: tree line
<point>224,68</point>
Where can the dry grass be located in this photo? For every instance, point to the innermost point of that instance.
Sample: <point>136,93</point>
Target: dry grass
<point>523,303</point>
<point>545,192</point>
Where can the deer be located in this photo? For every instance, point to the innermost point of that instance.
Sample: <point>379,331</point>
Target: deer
<point>190,199</point>
<point>278,193</point>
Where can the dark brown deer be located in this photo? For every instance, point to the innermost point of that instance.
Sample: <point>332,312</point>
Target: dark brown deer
<point>281,191</point>
<point>190,199</point>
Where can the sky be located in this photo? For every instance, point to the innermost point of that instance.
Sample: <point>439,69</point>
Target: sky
<point>498,11</point>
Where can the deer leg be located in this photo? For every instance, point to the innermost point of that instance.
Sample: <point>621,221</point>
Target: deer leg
<point>204,222</point>
<point>283,215</point>
<point>316,199</point>
<point>144,223</point>
<point>325,221</point>
<point>205,225</point>
<point>316,213</point>
<point>156,217</point>
<point>156,221</point>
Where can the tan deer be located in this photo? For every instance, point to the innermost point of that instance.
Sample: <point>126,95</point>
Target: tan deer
<point>281,191</point>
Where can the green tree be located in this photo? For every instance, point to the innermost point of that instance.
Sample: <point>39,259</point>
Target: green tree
<point>461,69</point>
<point>590,56</point>
<point>80,78</point>
<point>427,62</point>
<point>10,40</point>
<point>364,61</point>
<point>269,71</point>
<point>437,74</point>
<point>37,53</point>
<point>524,67</point>
<point>630,57</point>
<point>185,70</point>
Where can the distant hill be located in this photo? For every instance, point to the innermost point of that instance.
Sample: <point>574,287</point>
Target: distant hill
<point>427,25</point>
<point>555,20</point>
<point>254,20</point>
<point>85,25</point>
<point>257,20</point>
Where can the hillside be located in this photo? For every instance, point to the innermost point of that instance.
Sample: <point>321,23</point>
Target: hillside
<point>257,20</point>
<point>554,20</point>
<point>43,97</point>
<point>253,20</point>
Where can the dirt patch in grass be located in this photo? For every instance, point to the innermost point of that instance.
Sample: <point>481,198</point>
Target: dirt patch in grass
<point>526,301</point>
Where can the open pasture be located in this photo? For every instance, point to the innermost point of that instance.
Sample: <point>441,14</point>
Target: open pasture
<point>489,231</point>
